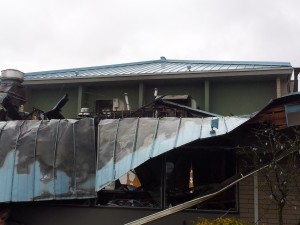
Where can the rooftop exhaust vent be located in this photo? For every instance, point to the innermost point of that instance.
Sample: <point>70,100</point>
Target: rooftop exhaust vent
<point>163,58</point>
<point>12,74</point>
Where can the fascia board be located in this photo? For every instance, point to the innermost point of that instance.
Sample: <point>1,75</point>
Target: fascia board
<point>144,77</point>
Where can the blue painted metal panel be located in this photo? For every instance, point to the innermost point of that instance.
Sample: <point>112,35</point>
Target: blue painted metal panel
<point>206,128</point>
<point>8,142</point>
<point>85,160</point>
<point>64,180</point>
<point>147,128</point>
<point>233,122</point>
<point>42,160</point>
<point>292,115</point>
<point>45,158</point>
<point>190,130</point>
<point>166,135</point>
<point>137,140</point>
<point>125,144</point>
<point>107,134</point>
<point>23,177</point>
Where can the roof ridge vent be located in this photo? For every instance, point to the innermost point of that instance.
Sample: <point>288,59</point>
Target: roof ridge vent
<point>163,58</point>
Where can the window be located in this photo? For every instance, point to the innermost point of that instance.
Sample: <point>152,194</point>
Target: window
<point>192,172</point>
<point>104,108</point>
<point>111,109</point>
<point>188,174</point>
<point>139,188</point>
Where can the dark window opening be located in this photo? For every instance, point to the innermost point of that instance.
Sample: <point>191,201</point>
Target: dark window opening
<point>111,109</point>
<point>191,173</point>
<point>104,108</point>
<point>139,188</point>
<point>182,175</point>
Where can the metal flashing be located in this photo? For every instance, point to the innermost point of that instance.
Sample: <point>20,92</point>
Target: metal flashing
<point>156,67</point>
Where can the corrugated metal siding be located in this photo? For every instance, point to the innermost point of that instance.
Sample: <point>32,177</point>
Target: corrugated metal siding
<point>124,144</point>
<point>41,160</point>
<point>155,67</point>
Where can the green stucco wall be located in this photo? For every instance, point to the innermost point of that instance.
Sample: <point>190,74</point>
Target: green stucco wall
<point>238,98</point>
<point>226,97</point>
<point>91,94</point>
<point>45,99</point>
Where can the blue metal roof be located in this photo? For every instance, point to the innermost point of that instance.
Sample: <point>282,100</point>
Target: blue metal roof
<point>154,67</point>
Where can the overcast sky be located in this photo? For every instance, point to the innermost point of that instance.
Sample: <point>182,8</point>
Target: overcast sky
<point>39,35</point>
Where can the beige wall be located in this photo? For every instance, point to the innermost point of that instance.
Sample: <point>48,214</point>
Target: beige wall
<point>267,212</point>
<point>246,199</point>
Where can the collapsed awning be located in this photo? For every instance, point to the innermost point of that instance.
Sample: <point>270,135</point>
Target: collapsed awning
<point>42,160</point>
<point>126,143</point>
<point>55,159</point>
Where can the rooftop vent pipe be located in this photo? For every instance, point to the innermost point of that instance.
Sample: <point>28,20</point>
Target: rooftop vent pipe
<point>155,92</point>
<point>12,94</point>
<point>127,101</point>
<point>12,75</point>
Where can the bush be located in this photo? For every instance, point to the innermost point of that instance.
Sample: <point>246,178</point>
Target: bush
<point>221,221</point>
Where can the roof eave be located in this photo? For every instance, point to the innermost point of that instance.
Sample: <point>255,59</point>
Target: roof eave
<point>285,71</point>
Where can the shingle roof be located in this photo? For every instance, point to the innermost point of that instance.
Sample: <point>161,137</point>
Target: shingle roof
<point>154,67</point>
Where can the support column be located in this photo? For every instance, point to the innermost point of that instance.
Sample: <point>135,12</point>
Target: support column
<point>278,87</point>
<point>141,94</point>
<point>296,73</point>
<point>206,95</point>
<point>79,98</point>
<point>28,105</point>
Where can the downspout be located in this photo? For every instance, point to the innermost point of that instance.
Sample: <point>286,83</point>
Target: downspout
<point>79,98</point>
<point>206,95</point>
<point>255,190</point>
<point>141,94</point>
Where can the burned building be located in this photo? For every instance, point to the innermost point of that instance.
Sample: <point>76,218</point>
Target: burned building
<point>168,141</point>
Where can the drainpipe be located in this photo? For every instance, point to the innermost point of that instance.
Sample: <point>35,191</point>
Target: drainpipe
<point>141,94</point>
<point>206,95</point>
<point>79,98</point>
<point>296,73</point>
<point>255,186</point>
